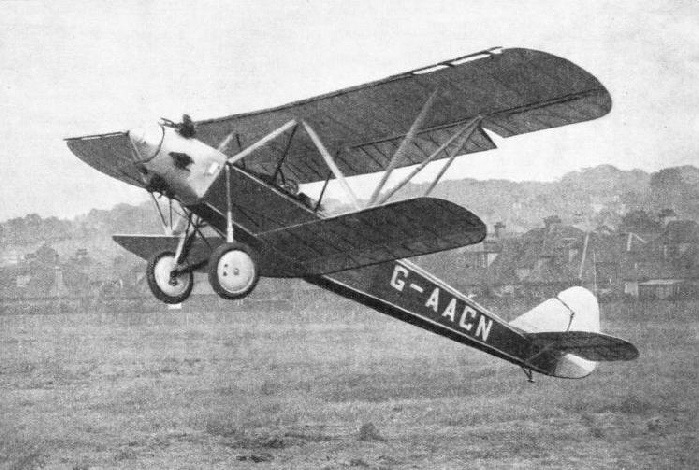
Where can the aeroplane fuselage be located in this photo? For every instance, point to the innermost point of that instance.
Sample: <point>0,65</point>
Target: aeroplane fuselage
<point>398,288</point>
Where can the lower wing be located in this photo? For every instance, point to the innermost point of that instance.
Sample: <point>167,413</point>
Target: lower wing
<point>403,229</point>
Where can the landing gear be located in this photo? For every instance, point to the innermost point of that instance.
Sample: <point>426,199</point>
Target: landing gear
<point>530,375</point>
<point>233,270</point>
<point>166,282</point>
<point>233,266</point>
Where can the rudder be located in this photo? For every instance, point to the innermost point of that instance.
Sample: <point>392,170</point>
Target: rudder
<point>569,325</point>
<point>574,309</point>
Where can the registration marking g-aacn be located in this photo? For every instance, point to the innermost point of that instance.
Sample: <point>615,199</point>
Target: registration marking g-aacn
<point>449,310</point>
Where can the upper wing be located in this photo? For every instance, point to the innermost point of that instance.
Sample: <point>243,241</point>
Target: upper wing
<point>112,154</point>
<point>513,91</point>
<point>399,230</point>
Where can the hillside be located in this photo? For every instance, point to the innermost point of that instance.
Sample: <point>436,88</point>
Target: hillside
<point>587,199</point>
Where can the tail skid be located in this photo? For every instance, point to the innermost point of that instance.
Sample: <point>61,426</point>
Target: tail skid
<point>569,326</point>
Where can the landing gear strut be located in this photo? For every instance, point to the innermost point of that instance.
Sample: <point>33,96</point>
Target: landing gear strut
<point>233,266</point>
<point>170,276</point>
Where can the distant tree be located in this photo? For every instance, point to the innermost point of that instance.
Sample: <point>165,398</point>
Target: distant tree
<point>666,213</point>
<point>551,220</point>
<point>667,188</point>
<point>666,178</point>
<point>46,255</point>
<point>606,217</point>
<point>639,221</point>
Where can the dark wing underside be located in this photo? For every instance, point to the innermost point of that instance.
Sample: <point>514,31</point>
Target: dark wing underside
<point>511,91</point>
<point>112,154</point>
<point>403,229</point>
<point>514,91</point>
<point>145,246</point>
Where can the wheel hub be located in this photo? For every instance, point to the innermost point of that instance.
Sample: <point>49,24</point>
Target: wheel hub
<point>171,284</point>
<point>236,271</point>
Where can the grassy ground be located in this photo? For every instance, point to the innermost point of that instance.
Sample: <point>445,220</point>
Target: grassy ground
<point>333,389</point>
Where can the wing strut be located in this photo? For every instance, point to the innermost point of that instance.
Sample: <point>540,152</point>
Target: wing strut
<point>278,170</point>
<point>229,206</point>
<point>223,146</point>
<point>239,156</point>
<point>166,228</point>
<point>471,126</point>
<point>475,123</point>
<point>271,136</point>
<point>330,161</point>
<point>322,191</point>
<point>402,148</point>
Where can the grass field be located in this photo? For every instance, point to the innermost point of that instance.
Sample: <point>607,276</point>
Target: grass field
<point>333,386</point>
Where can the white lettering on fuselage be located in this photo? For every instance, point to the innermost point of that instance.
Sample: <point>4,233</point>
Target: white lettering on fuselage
<point>484,326</point>
<point>433,301</point>
<point>396,282</point>
<point>450,311</point>
<point>457,312</point>
<point>471,313</point>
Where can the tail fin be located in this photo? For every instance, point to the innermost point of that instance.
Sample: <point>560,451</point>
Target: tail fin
<point>569,325</point>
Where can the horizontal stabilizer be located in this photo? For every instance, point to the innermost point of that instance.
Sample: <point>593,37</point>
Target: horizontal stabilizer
<point>145,246</point>
<point>399,230</point>
<point>586,344</point>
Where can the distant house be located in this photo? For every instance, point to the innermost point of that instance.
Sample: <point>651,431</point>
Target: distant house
<point>483,254</point>
<point>661,262</point>
<point>540,263</point>
<point>651,275</point>
<point>647,271</point>
<point>602,268</point>
<point>661,289</point>
<point>10,257</point>
<point>679,237</point>
<point>666,216</point>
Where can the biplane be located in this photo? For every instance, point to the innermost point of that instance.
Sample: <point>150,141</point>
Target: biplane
<point>235,181</point>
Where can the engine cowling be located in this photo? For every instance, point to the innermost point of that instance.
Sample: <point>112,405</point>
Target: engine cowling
<point>181,167</point>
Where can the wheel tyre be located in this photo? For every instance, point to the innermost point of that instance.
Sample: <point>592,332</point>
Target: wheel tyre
<point>158,276</point>
<point>233,270</point>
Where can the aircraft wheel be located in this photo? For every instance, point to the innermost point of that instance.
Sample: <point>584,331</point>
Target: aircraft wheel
<point>163,286</point>
<point>233,271</point>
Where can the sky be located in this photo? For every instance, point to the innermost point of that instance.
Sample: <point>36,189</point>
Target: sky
<point>70,68</point>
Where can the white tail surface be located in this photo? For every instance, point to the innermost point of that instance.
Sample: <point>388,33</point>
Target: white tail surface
<point>574,309</point>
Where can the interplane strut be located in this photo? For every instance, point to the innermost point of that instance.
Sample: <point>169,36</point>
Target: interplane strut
<point>464,132</point>
<point>398,156</point>
<point>330,161</point>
